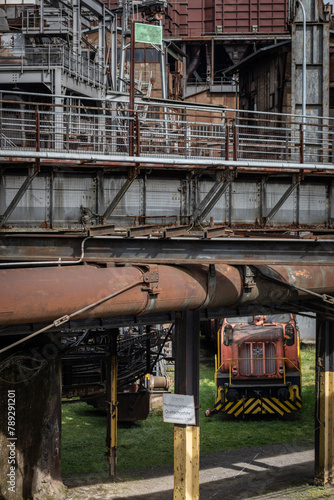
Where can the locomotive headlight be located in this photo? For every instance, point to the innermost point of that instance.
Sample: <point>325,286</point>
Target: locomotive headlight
<point>281,370</point>
<point>283,394</point>
<point>232,395</point>
<point>234,371</point>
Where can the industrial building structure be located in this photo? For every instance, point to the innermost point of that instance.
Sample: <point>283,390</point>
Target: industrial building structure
<point>120,206</point>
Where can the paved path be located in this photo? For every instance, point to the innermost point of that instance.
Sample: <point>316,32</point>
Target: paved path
<point>272,472</point>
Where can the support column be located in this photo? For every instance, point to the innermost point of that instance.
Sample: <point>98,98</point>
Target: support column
<point>186,437</point>
<point>30,437</point>
<point>324,418</point>
<point>112,404</point>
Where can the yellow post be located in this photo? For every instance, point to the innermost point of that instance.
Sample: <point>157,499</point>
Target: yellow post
<point>112,440</point>
<point>186,462</point>
<point>186,437</point>
<point>113,417</point>
<point>324,422</point>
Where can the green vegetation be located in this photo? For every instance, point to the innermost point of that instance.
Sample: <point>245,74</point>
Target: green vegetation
<point>150,442</point>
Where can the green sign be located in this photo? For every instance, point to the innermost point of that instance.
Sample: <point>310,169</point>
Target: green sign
<point>148,33</point>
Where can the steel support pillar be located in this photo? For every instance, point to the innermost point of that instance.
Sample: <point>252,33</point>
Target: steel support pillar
<point>186,437</point>
<point>324,419</point>
<point>112,406</point>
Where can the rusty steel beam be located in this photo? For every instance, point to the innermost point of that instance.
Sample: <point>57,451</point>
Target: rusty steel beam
<point>101,230</point>
<point>143,230</point>
<point>172,232</point>
<point>217,232</point>
<point>24,248</point>
<point>58,294</point>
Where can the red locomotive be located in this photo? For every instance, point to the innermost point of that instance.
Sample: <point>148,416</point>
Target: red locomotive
<point>258,366</point>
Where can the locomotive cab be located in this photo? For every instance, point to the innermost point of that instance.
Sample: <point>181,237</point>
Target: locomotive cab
<point>258,365</point>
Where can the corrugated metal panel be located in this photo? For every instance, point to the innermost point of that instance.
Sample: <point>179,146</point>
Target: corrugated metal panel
<point>237,16</point>
<point>245,203</point>
<point>317,60</point>
<point>33,211</point>
<point>130,205</point>
<point>205,17</point>
<point>59,201</point>
<point>70,193</point>
<point>161,201</point>
<point>313,204</point>
<point>183,18</point>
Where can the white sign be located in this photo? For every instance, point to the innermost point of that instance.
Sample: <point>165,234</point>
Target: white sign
<point>179,409</point>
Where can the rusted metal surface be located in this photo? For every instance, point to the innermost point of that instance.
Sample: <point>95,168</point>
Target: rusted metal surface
<point>45,294</point>
<point>133,406</point>
<point>221,17</point>
<point>242,247</point>
<point>65,290</point>
<point>266,333</point>
<point>317,279</point>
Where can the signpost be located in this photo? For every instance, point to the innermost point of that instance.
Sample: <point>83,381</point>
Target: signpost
<point>179,409</point>
<point>148,33</point>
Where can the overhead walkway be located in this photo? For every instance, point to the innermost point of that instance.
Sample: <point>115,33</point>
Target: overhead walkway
<point>171,134</point>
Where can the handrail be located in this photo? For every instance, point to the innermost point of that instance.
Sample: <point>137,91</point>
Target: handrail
<point>165,132</point>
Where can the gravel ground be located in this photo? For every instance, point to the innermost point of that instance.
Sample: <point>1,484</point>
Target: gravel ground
<point>283,472</point>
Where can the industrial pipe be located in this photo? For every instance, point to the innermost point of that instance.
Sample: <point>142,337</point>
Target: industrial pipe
<point>46,294</point>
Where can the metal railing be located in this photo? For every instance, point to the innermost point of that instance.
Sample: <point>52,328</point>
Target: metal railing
<point>165,133</point>
<point>46,57</point>
<point>54,20</point>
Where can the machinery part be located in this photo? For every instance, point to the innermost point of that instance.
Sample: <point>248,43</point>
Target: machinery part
<point>160,382</point>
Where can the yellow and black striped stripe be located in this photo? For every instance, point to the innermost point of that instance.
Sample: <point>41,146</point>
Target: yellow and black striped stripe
<point>260,406</point>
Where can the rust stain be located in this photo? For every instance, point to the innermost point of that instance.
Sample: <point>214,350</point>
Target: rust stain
<point>300,273</point>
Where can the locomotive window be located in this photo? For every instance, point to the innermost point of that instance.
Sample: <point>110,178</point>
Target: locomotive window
<point>240,319</point>
<point>278,318</point>
<point>289,335</point>
<point>228,335</point>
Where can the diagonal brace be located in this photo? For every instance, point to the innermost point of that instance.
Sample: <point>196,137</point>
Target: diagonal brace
<point>32,172</point>
<point>282,200</point>
<point>217,190</point>
<point>118,197</point>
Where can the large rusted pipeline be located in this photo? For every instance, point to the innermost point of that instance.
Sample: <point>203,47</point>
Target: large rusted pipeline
<point>35,295</point>
<point>303,279</point>
<point>45,294</point>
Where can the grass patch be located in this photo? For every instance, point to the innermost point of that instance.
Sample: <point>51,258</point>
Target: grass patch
<point>150,442</point>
